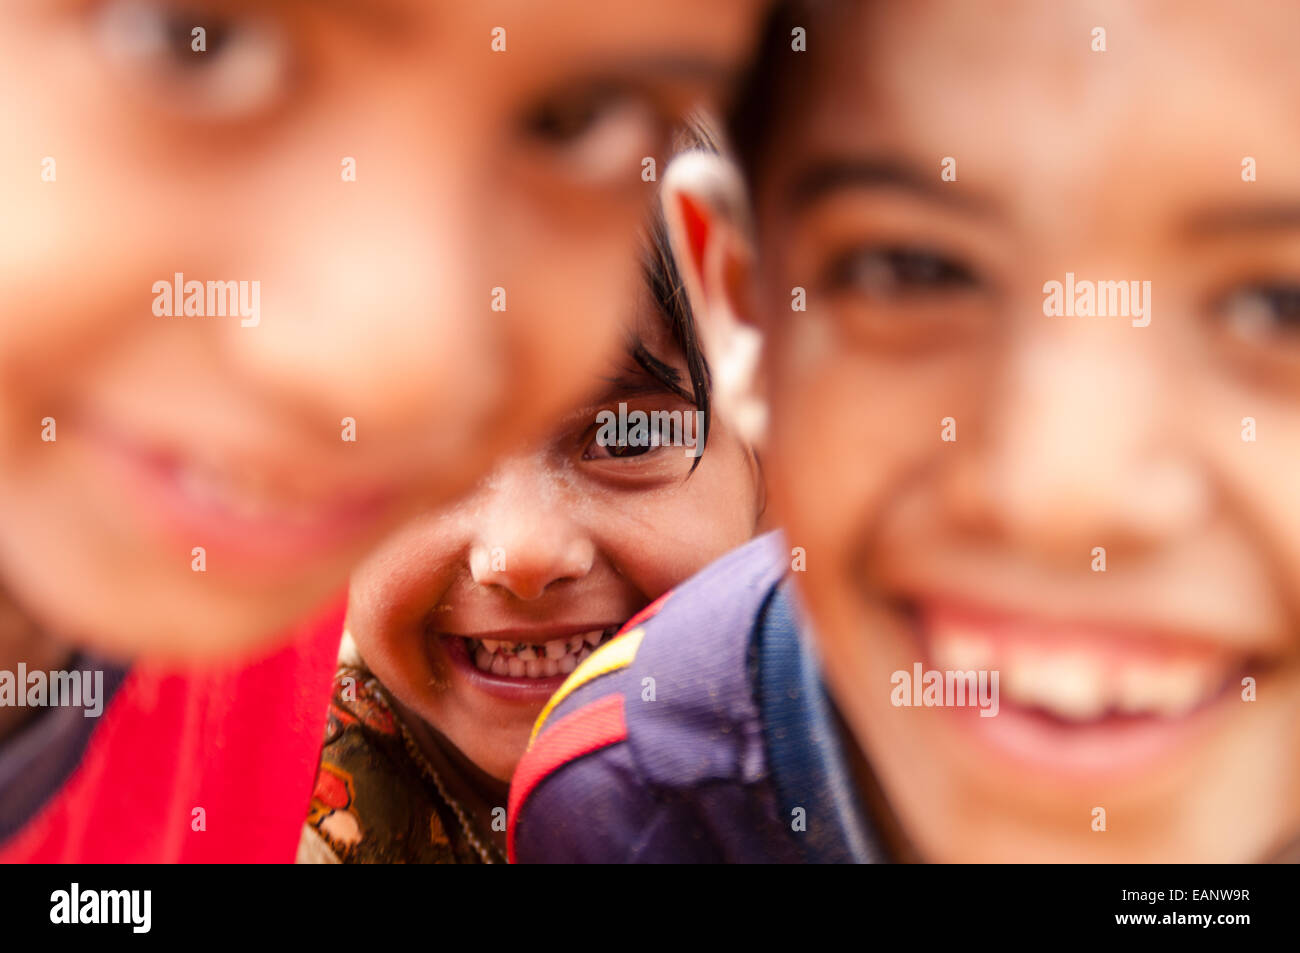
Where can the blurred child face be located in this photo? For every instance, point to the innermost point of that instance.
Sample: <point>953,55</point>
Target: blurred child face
<point>474,618</point>
<point>443,304</point>
<point>1119,689</point>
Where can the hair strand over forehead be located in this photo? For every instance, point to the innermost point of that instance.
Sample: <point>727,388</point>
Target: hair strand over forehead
<point>669,291</point>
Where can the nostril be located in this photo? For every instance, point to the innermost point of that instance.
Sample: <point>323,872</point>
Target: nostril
<point>579,559</point>
<point>479,565</point>
<point>532,565</point>
<point>525,579</point>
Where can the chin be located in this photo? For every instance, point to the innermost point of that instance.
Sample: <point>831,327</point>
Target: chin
<point>207,631</point>
<point>497,761</point>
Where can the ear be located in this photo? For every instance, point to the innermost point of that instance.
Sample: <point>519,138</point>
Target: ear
<point>705,210</point>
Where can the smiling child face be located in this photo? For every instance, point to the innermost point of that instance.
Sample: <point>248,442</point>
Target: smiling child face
<point>482,178</point>
<point>1120,689</point>
<point>473,618</point>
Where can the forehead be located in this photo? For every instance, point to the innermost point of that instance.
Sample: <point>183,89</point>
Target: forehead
<point>1016,93</point>
<point>595,23</point>
<point>649,326</point>
<point>560,30</point>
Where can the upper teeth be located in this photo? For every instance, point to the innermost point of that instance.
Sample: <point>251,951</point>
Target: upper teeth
<point>1076,684</point>
<point>534,660</point>
<point>244,498</point>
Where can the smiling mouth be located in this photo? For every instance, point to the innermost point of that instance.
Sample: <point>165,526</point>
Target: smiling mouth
<point>537,660</point>
<point>1079,675</point>
<point>1079,700</point>
<point>247,516</point>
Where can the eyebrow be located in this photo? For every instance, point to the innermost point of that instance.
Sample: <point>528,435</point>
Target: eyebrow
<point>688,75</point>
<point>824,176</point>
<point>638,384</point>
<point>643,373</point>
<point>385,17</point>
<point>690,67</point>
<point>635,384</point>
<point>1208,223</point>
<point>625,388</point>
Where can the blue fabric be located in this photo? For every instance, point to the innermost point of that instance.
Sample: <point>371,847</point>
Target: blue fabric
<point>728,730</point>
<point>689,784</point>
<point>704,724</point>
<point>38,759</point>
<point>805,754</point>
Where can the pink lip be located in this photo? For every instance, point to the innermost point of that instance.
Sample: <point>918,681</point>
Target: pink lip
<point>1109,748</point>
<point>536,634</point>
<point>534,691</point>
<point>236,541</point>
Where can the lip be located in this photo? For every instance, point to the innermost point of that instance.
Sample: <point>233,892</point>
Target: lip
<point>1109,747</point>
<point>533,691</point>
<point>154,484</point>
<point>535,635</point>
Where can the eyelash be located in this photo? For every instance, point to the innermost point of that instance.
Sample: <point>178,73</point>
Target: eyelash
<point>593,433</point>
<point>897,271</point>
<point>647,451</point>
<point>569,126</point>
<point>1247,308</point>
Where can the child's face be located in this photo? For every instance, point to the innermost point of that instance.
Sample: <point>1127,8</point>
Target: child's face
<point>1119,689</point>
<point>408,324</point>
<point>560,542</point>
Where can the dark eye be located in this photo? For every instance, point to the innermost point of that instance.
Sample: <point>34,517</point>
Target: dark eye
<point>656,431</point>
<point>238,63</point>
<point>600,134</point>
<point>890,272</point>
<point>601,450</point>
<point>566,118</point>
<point>1261,313</point>
<point>614,452</point>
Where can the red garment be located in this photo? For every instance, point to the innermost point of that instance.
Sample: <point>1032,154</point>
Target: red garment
<point>239,741</point>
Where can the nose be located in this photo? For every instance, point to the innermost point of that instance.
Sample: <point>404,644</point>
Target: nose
<point>527,539</point>
<point>1079,446</point>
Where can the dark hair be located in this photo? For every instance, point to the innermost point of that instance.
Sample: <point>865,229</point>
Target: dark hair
<point>665,282</point>
<point>765,88</point>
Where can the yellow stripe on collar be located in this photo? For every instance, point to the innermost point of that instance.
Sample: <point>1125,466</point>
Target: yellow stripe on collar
<point>610,657</point>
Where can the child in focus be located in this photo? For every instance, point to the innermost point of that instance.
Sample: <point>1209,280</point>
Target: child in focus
<point>466,622</point>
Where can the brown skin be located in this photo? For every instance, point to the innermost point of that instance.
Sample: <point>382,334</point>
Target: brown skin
<point>586,538</point>
<point>1072,432</point>
<point>24,642</point>
<point>375,294</point>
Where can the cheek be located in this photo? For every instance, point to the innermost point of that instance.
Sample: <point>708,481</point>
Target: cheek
<point>848,432</point>
<point>1253,479</point>
<point>1254,473</point>
<point>400,659</point>
<point>393,595</point>
<point>659,541</point>
<point>71,285</point>
<point>397,594</point>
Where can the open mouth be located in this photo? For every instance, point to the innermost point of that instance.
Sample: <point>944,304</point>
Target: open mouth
<point>530,660</point>
<point>1081,696</point>
<point>1082,683</point>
